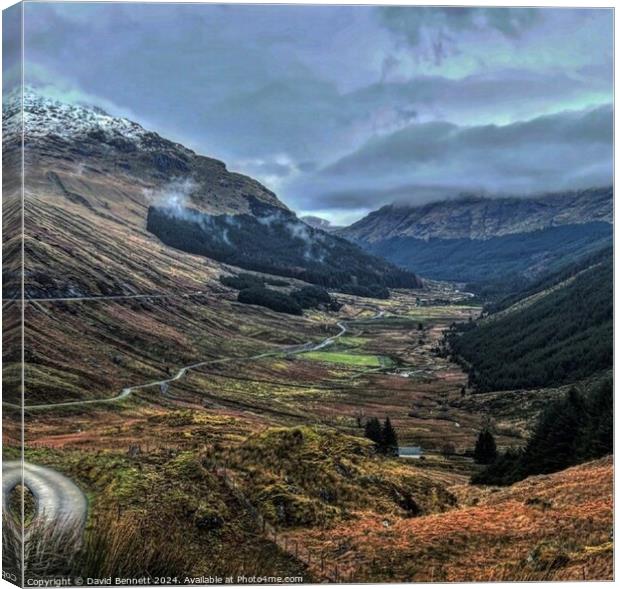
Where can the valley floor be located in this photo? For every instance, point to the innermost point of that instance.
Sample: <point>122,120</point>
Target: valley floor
<point>258,465</point>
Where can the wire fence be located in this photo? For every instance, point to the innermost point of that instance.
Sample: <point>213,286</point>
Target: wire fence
<point>314,560</point>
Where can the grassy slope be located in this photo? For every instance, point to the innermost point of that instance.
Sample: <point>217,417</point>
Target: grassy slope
<point>170,503</point>
<point>553,527</point>
<point>294,476</point>
<point>309,476</point>
<point>93,349</point>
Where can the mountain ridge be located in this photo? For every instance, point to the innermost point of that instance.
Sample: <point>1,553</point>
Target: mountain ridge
<point>477,217</point>
<point>87,132</point>
<point>489,243</point>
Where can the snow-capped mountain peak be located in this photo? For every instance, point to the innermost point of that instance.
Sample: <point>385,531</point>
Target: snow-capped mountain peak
<point>46,117</point>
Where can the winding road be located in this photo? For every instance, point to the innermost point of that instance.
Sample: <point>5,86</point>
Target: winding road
<point>58,499</point>
<point>127,391</point>
<point>119,297</point>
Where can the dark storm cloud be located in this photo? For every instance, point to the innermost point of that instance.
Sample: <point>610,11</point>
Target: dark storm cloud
<point>438,160</point>
<point>438,30</point>
<point>508,93</point>
<point>231,80</point>
<point>280,92</point>
<point>412,24</point>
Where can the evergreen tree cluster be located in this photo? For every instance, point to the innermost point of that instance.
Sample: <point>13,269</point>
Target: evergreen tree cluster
<point>485,451</point>
<point>245,280</point>
<point>520,291</point>
<point>271,299</point>
<point>307,297</point>
<point>570,431</point>
<point>384,437</point>
<point>314,297</point>
<point>565,336</point>
<point>274,241</point>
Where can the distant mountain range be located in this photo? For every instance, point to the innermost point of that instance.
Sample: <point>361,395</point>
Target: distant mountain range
<point>319,223</point>
<point>92,177</point>
<point>479,240</point>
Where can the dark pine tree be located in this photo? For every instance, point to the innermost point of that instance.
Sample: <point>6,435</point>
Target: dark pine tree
<point>389,440</point>
<point>597,439</point>
<point>373,431</point>
<point>486,450</point>
<point>554,442</point>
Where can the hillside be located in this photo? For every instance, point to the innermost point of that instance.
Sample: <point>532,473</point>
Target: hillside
<point>91,180</point>
<point>276,243</point>
<point>484,240</point>
<point>312,476</point>
<point>471,217</point>
<point>551,527</point>
<point>571,430</point>
<point>559,337</point>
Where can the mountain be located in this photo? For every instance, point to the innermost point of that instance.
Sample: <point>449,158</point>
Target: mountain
<point>83,133</point>
<point>482,240</point>
<point>472,217</point>
<point>557,332</point>
<point>320,223</point>
<point>93,178</point>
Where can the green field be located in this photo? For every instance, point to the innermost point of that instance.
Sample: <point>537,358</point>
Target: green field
<point>351,359</point>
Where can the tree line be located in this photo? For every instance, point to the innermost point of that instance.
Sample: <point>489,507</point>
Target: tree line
<point>253,291</point>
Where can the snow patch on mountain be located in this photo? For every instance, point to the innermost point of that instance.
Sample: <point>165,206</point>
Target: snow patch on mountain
<point>44,117</point>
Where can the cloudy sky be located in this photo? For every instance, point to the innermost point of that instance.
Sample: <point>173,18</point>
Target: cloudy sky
<point>341,109</point>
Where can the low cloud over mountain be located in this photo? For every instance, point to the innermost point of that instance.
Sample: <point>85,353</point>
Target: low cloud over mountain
<point>427,161</point>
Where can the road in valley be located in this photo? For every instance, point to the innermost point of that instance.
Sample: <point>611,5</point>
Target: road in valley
<point>58,498</point>
<point>127,391</point>
<point>77,299</point>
